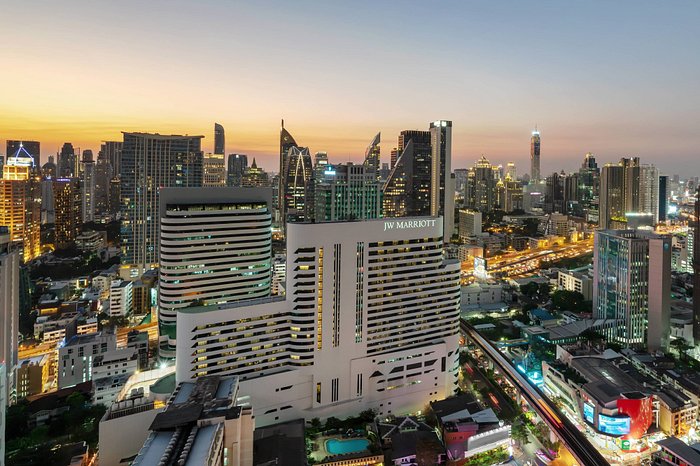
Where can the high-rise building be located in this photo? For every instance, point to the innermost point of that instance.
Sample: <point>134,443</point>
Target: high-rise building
<point>112,151</point>
<point>632,284</point>
<point>360,325</point>
<point>469,223</point>
<point>103,175</point>
<point>554,193</point>
<point>287,142</point>
<point>373,155</point>
<point>67,161</point>
<point>255,177</point>
<point>535,156</point>
<point>9,314</point>
<point>589,187</point>
<point>442,181</point>
<point>237,165</point>
<point>649,192</point>
<point>68,206</point>
<point>663,197</point>
<point>572,195</point>
<point>214,171</point>
<point>49,169</point>
<point>33,148</point>
<point>481,192</point>
<point>406,192</point>
<point>215,248</point>
<point>20,202</point>
<point>394,156</point>
<point>347,192</point>
<point>88,187</point>
<point>612,195</point>
<point>151,162</point>
<point>297,186</point>
<point>511,171</point>
<point>219,139</point>
<point>695,233</point>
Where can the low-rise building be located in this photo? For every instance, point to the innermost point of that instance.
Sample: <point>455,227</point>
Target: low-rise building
<point>121,298</point>
<point>202,424</point>
<point>576,281</point>
<point>139,342</point>
<point>75,358</point>
<point>110,372</point>
<point>32,375</point>
<point>674,451</point>
<point>91,241</point>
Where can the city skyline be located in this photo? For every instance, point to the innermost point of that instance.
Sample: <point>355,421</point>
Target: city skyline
<point>589,83</point>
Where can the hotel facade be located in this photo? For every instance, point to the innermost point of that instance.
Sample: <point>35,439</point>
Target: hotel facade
<point>370,320</point>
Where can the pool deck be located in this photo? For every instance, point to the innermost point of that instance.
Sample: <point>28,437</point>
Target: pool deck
<point>320,453</point>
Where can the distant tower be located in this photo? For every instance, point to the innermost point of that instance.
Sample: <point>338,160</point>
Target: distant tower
<point>535,156</point>
<point>373,155</point>
<point>219,139</point>
<point>88,187</point>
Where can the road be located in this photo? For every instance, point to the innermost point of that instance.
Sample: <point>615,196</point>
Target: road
<point>575,441</point>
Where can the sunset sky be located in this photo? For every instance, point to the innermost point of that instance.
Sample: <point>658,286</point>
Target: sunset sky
<point>615,78</point>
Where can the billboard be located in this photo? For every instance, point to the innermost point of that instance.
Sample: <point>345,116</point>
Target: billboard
<point>588,412</point>
<point>480,267</point>
<point>614,425</point>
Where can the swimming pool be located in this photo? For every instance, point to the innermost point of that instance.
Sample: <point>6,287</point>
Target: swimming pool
<point>341,447</point>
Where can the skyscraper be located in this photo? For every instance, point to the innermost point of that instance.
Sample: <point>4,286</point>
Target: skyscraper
<point>442,181</point>
<point>219,139</point>
<point>632,284</point>
<point>649,192</point>
<point>589,187</point>
<point>88,187</point>
<point>612,195</point>
<point>511,171</point>
<point>151,162</point>
<point>215,248</point>
<point>554,193</point>
<point>286,143</point>
<point>112,151</point>
<point>214,171</point>
<point>696,269</point>
<point>481,192</point>
<point>256,177</point>
<point>237,165</point>
<point>103,175</point>
<point>32,147</point>
<point>535,156</point>
<point>663,197</point>
<point>9,313</point>
<point>67,161</point>
<point>68,203</point>
<point>406,192</point>
<point>373,155</point>
<point>20,202</point>
<point>347,192</point>
<point>297,186</point>
<point>360,326</point>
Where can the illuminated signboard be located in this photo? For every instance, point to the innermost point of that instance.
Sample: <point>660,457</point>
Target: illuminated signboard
<point>408,224</point>
<point>480,267</point>
<point>614,425</point>
<point>588,412</point>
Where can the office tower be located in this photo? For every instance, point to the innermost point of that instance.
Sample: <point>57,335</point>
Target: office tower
<point>554,193</point>
<point>394,156</point>
<point>3,408</point>
<point>511,171</point>
<point>695,233</point>
<point>535,157</point>
<point>663,197</point>
<point>68,216</point>
<point>20,202</point>
<point>255,177</point>
<point>32,147</point>
<point>287,142</point>
<point>9,313</point>
<point>373,155</point>
<point>114,201</point>
<point>632,283</point>
<point>632,172</point>
<point>297,186</point>
<point>215,248</point>
<point>612,195</point>
<point>347,192</point>
<point>219,140</point>
<point>214,171</point>
<point>151,162</point>
<point>49,170</point>
<point>442,182</point>
<point>649,192</point>
<point>88,187</point>
<point>360,324</point>
<point>112,151</point>
<point>103,175</point>
<point>572,195</point>
<point>469,223</point>
<point>460,182</point>
<point>481,192</point>
<point>237,165</point>
<point>384,173</point>
<point>589,186</point>
<point>67,161</point>
<point>509,195</point>
<point>406,192</point>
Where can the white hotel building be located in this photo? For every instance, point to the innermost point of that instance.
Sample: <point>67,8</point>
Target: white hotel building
<point>370,319</point>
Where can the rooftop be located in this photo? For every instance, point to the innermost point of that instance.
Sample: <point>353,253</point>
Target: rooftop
<point>680,449</point>
<point>280,444</point>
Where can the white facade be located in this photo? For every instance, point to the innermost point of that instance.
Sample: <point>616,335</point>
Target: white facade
<point>76,357</point>
<point>469,223</point>
<point>279,274</point>
<point>110,372</point>
<point>215,248</point>
<point>3,407</point>
<point>9,312</point>
<point>214,171</point>
<point>121,298</point>
<point>576,281</point>
<point>482,293</point>
<point>369,320</point>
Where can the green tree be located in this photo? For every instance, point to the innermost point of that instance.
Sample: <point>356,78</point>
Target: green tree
<point>519,432</point>
<point>681,346</point>
<point>565,300</point>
